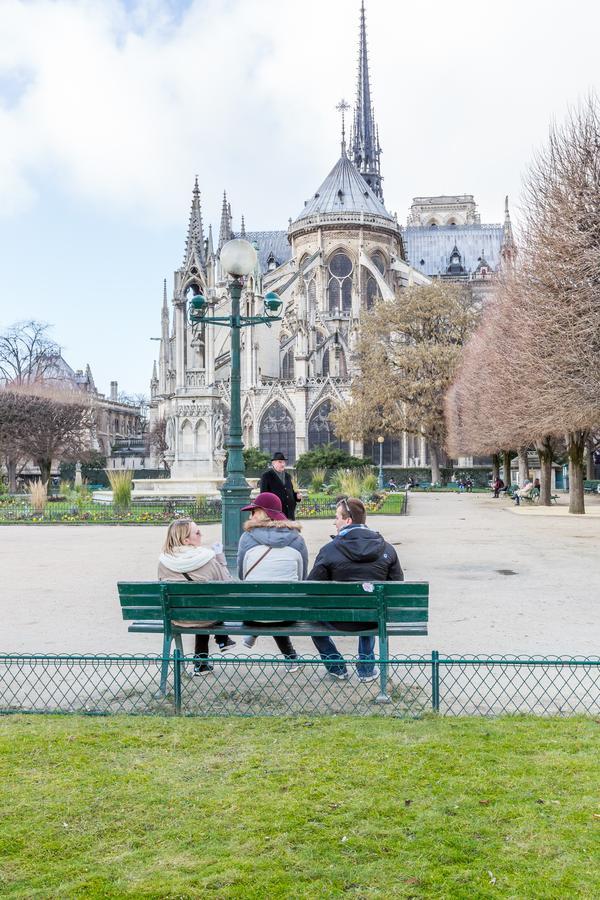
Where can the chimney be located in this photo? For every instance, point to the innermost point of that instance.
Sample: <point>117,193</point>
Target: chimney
<point>113,390</point>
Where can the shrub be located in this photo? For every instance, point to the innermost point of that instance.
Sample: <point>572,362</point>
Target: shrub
<point>369,482</point>
<point>330,457</point>
<point>317,477</point>
<point>255,458</point>
<point>348,482</point>
<point>120,483</point>
<point>39,495</point>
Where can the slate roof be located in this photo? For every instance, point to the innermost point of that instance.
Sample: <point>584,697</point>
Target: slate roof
<point>434,246</point>
<point>344,190</point>
<point>270,242</point>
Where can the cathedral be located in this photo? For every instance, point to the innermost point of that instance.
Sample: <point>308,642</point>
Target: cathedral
<point>339,255</point>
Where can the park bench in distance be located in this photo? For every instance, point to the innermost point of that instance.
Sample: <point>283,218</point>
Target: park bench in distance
<point>398,607</point>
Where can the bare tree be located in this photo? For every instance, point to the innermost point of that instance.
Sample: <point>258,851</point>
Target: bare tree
<point>156,440</point>
<point>26,352</point>
<point>408,355</point>
<point>45,424</point>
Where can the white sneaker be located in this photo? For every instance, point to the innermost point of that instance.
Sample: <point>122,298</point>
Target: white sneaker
<point>373,677</point>
<point>292,665</point>
<point>249,641</point>
<point>339,676</point>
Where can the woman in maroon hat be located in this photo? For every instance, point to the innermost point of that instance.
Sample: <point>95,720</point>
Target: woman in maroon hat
<point>272,549</point>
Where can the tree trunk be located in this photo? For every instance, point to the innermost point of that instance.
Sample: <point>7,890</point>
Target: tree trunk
<point>506,467</point>
<point>11,471</point>
<point>575,448</point>
<point>45,466</point>
<point>523,467</point>
<point>545,452</point>
<point>495,466</point>
<point>589,459</point>
<point>435,464</point>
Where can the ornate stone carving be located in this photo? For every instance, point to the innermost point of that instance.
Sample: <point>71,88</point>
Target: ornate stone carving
<point>195,379</point>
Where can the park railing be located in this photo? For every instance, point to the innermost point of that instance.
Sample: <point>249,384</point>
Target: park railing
<point>265,686</point>
<point>17,511</point>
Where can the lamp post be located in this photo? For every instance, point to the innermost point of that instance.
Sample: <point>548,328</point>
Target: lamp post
<point>380,441</point>
<point>238,259</point>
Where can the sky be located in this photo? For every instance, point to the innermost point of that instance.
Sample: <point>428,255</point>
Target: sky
<point>110,108</point>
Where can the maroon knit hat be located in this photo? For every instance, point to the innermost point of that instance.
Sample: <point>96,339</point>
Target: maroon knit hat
<point>269,503</point>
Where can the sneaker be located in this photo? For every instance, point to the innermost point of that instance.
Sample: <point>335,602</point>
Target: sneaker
<point>203,669</point>
<point>292,665</point>
<point>339,676</point>
<point>249,641</point>
<point>228,643</point>
<point>372,677</point>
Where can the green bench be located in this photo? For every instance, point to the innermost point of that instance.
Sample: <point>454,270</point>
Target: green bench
<point>398,608</point>
<point>591,486</point>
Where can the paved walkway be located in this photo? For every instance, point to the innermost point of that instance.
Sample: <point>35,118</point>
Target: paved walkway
<point>500,582</point>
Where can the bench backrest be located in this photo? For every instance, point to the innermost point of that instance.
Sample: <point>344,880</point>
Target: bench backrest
<point>391,601</point>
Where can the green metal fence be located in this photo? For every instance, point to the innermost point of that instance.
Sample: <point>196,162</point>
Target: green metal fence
<point>265,686</point>
<point>158,512</point>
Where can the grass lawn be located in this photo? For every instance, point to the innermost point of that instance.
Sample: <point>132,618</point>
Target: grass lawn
<point>339,807</point>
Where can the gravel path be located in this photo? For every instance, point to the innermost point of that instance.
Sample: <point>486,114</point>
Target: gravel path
<point>501,581</point>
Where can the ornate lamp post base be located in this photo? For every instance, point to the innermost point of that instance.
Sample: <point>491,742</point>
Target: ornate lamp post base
<point>234,495</point>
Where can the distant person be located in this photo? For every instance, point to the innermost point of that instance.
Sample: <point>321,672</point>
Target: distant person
<point>497,486</point>
<point>356,553</point>
<point>536,484</point>
<point>524,492</point>
<point>277,481</point>
<point>469,485</point>
<point>392,486</point>
<point>184,559</point>
<point>272,549</point>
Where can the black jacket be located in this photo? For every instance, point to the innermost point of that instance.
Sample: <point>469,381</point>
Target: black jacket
<point>358,555</point>
<point>271,482</point>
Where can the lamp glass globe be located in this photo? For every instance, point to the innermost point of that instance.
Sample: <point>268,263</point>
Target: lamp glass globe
<point>238,257</point>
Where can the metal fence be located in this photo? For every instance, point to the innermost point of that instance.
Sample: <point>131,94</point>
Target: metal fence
<point>265,686</point>
<point>159,512</point>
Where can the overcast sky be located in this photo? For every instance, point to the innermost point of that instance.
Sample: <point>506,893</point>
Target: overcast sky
<point>109,108</point>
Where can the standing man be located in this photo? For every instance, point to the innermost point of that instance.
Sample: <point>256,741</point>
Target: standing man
<point>356,553</point>
<point>277,481</point>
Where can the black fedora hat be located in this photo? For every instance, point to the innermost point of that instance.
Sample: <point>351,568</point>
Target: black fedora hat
<point>278,455</point>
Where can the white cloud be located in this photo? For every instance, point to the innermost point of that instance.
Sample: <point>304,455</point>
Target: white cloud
<point>121,107</point>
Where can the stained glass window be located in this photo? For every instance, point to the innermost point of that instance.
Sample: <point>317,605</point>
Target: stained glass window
<point>277,432</point>
<point>339,288</point>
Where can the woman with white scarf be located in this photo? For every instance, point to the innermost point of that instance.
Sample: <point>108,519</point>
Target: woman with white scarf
<point>184,559</point>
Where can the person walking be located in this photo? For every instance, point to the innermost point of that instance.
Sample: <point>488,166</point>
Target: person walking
<point>184,559</point>
<point>356,553</point>
<point>272,549</point>
<point>277,481</point>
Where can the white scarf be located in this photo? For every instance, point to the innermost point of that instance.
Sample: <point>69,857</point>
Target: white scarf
<point>187,559</point>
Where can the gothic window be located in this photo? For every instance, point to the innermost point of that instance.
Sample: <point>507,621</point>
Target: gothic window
<point>187,438</point>
<point>287,365</point>
<point>342,365</point>
<point>277,432</point>
<point>371,291</point>
<point>311,292</point>
<point>320,429</point>
<point>325,363</point>
<point>391,453</point>
<point>339,288</point>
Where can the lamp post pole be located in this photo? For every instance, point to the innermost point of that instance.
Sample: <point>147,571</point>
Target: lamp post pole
<point>235,491</point>
<point>238,258</point>
<point>380,480</point>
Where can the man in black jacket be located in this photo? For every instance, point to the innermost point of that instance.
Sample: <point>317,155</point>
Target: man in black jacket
<point>356,553</point>
<point>277,481</point>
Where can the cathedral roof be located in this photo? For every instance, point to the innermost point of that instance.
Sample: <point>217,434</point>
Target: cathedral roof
<point>344,191</point>
<point>272,247</point>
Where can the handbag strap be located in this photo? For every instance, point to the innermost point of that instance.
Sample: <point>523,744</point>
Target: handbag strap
<point>259,560</point>
<point>187,577</point>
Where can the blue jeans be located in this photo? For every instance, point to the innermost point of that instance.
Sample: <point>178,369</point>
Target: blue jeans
<point>330,655</point>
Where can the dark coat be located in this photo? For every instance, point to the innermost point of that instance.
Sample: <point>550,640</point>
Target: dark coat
<point>270,481</point>
<point>359,554</point>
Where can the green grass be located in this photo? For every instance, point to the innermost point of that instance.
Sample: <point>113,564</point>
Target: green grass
<point>294,808</point>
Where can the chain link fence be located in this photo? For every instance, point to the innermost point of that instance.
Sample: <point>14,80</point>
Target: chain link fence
<point>265,686</point>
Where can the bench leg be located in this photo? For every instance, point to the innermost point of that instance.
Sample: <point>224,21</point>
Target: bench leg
<point>383,696</point>
<point>164,668</point>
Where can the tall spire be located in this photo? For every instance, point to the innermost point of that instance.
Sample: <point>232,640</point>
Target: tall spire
<point>225,232</point>
<point>508,249</point>
<point>243,229</point>
<point>365,135</point>
<point>195,239</point>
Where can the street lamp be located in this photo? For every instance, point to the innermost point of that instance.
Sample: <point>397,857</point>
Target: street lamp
<point>380,441</point>
<point>238,259</point>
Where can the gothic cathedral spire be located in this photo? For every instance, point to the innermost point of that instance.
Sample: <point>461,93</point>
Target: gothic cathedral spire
<point>225,231</point>
<point>508,250</point>
<point>195,238</point>
<point>365,135</point>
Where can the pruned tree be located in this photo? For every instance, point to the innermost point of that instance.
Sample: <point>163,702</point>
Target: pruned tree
<point>539,343</point>
<point>408,355</point>
<point>44,424</point>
